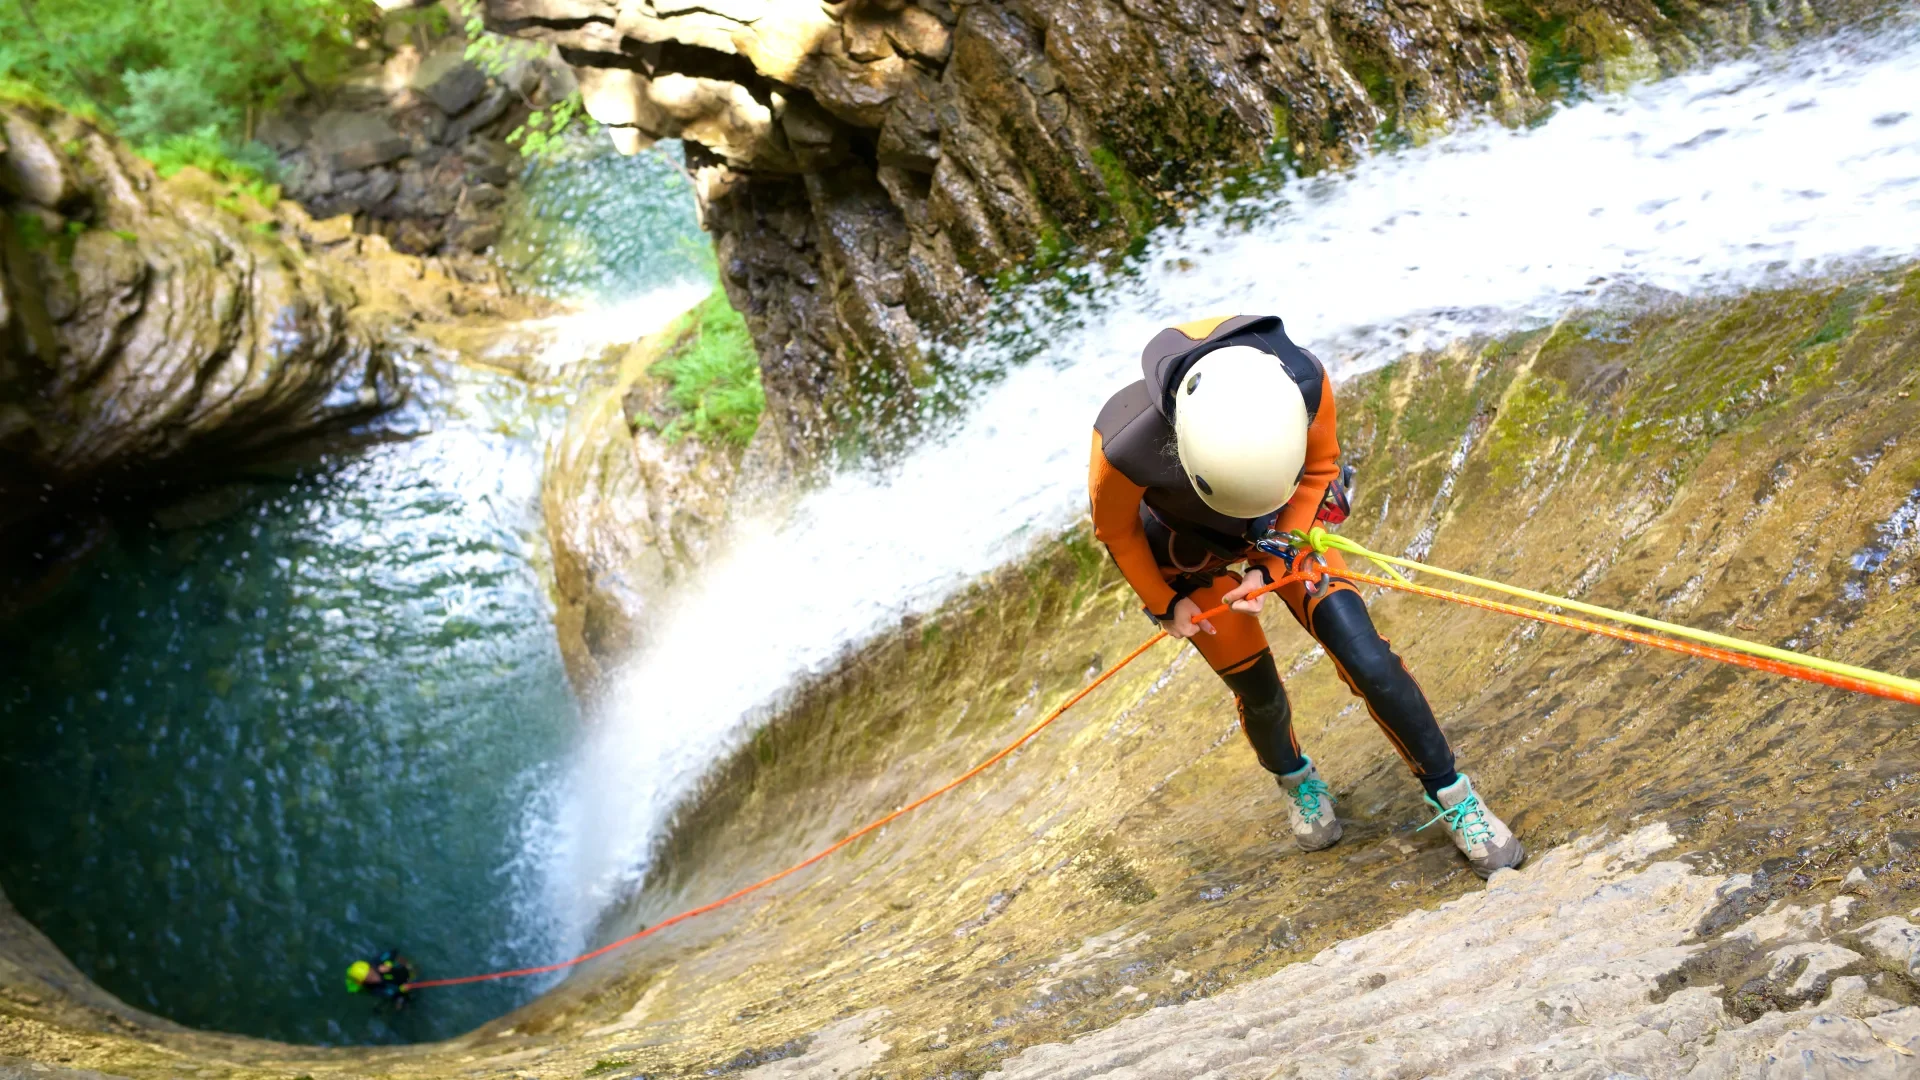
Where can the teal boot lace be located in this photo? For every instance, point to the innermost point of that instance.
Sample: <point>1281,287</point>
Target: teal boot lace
<point>1467,817</point>
<point>1307,797</point>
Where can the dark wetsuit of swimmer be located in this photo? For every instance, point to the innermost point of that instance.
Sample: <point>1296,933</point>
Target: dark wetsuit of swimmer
<point>1169,544</point>
<point>390,977</point>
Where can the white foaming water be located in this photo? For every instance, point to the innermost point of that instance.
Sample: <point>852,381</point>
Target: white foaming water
<point>1741,175</point>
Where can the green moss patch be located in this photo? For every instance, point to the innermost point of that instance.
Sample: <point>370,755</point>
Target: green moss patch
<point>714,374</point>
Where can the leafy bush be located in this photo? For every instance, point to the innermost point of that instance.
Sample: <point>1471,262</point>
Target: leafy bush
<point>545,132</point>
<point>162,70</point>
<point>715,374</point>
<point>247,171</point>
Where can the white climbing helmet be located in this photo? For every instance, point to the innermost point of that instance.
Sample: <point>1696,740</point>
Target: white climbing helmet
<point>1241,427</point>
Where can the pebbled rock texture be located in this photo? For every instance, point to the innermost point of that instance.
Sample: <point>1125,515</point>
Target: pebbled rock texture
<point>867,167</point>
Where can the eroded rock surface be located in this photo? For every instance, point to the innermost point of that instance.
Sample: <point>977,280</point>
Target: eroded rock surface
<point>629,512</point>
<point>1577,965</point>
<point>1573,966</point>
<point>866,166</point>
<point>154,331</point>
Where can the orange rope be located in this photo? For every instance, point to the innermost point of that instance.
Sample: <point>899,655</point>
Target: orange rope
<point>863,830</point>
<point>1306,572</point>
<point>1708,652</point>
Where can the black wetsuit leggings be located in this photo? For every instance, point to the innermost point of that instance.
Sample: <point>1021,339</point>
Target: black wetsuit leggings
<point>1369,666</point>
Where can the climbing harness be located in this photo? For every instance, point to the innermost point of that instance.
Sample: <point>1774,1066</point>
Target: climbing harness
<point>1306,566</point>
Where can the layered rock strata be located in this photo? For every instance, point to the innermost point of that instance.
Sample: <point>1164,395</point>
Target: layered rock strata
<point>153,331</point>
<point>866,167</point>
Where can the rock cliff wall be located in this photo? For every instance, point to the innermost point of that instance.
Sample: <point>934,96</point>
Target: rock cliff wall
<point>153,332</point>
<point>866,167</point>
<point>413,143</point>
<point>628,512</point>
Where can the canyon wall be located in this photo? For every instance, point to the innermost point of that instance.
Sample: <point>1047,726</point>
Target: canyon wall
<point>157,332</point>
<point>413,143</point>
<point>868,168</point>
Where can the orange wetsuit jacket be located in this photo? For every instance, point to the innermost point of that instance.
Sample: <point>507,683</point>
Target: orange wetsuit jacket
<point>1145,510</point>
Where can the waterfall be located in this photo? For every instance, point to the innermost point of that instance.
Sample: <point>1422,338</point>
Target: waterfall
<point>1754,172</point>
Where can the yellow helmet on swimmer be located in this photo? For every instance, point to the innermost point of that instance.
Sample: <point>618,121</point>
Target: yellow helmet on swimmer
<point>1240,425</point>
<point>357,973</point>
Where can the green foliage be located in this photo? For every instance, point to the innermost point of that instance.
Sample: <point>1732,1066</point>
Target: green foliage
<point>155,70</point>
<point>545,132</point>
<point>245,173</point>
<point>35,236</point>
<point>715,374</point>
<point>493,53</point>
<point>604,1066</point>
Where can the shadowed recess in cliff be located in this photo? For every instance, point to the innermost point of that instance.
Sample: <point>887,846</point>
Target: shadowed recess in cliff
<point>1486,231</point>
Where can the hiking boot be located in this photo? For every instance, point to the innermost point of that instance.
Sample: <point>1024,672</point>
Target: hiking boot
<point>1483,838</point>
<point>1310,808</point>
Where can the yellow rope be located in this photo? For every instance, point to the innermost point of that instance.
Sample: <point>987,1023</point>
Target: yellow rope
<point>1320,540</point>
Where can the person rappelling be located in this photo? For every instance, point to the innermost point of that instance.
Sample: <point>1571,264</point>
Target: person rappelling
<point>1226,447</point>
<point>389,977</point>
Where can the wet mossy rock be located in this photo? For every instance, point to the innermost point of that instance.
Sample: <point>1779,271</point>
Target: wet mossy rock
<point>155,333</point>
<point>632,504</point>
<point>1746,465</point>
<point>867,167</point>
